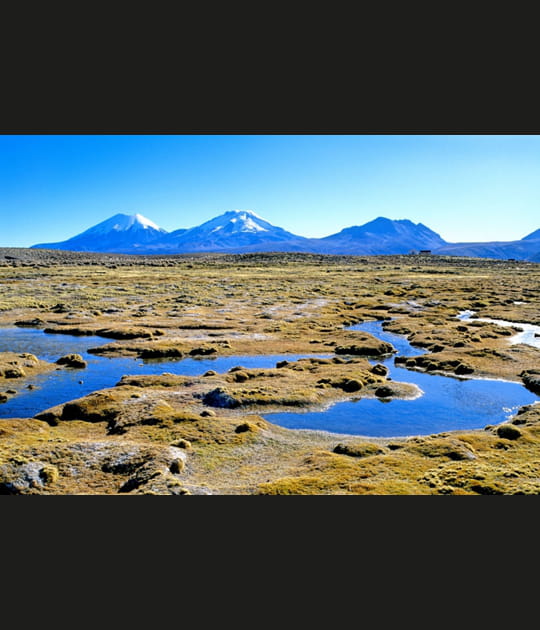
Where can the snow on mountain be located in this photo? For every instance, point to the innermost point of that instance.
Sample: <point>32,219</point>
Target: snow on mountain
<point>238,231</point>
<point>121,234</point>
<point>233,231</point>
<point>235,221</point>
<point>122,223</point>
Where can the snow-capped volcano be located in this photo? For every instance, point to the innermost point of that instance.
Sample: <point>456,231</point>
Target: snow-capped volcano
<point>122,223</point>
<point>235,221</point>
<point>239,231</point>
<point>232,231</point>
<point>122,233</point>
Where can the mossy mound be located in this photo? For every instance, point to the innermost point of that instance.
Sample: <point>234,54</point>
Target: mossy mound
<point>202,351</point>
<point>246,426</point>
<point>429,363</point>
<point>49,474</point>
<point>35,322</point>
<point>531,380</point>
<point>509,432</point>
<point>128,333</point>
<point>20,365</point>
<point>161,353</point>
<point>14,372</point>
<point>154,381</point>
<point>384,392</point>
<point>453,449</point>
<point>102,406</point>
<point>348,385</point>
<point>72,361</point>
<point>366,349</point>
<point>358,449</point>
<point>379,369</point>
<point>240,376</point>
<point>181,443</point>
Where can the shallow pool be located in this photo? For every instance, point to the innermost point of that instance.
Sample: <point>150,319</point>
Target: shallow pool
<point>448,403</point>
<point>60,386</point>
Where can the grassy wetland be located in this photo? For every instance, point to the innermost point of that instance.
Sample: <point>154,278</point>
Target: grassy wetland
<point>206,434</point>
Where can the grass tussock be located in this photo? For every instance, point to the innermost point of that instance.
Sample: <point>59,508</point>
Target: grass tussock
<point>119,440</point>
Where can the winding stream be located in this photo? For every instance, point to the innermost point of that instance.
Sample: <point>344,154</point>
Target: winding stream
<point>528,334</point>
<point>447,403</point>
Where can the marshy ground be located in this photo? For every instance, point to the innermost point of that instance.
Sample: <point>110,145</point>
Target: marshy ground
<point>205,435</point>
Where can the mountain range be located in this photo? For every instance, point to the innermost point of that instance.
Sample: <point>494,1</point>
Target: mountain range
<point>122,233</point>
<point>239,231</point>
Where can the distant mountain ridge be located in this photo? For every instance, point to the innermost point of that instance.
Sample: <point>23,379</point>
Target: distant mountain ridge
<point>234,231</point>
<point>532,236</point>
<point>239,231</point>
<point>525,249</point>
<point>121,234</point>
<point>382,236</point>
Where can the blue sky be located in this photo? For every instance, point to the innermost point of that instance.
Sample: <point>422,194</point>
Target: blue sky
<point>466,188</point>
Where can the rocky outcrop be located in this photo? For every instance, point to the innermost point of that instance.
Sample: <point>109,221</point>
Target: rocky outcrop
<point>19,475</point>
<point>220,397</point>
<point>126,466</point>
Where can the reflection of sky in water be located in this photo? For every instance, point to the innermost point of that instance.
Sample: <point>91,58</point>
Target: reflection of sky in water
<point>529,335</point>
<point>446,404</point>
<point>60,386</point>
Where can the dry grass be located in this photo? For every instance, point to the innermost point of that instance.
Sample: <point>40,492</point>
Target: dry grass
<point>120,440</point>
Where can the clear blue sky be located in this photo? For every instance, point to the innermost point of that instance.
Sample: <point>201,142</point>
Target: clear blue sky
<point>466,188</point>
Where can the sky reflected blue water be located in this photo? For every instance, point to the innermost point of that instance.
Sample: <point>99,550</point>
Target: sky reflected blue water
<point>63,385</point>
<point>446,404</point>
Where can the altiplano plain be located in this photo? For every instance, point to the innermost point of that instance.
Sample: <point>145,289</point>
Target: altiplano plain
<point>181,434</point>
